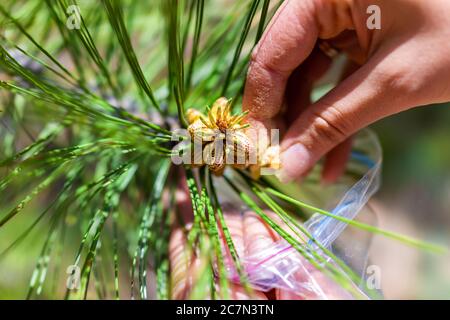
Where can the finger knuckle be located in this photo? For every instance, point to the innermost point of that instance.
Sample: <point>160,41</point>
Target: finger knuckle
<point>260,65</point>
<point>330,124</point>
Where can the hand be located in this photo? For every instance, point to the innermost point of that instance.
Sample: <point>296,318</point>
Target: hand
<point>404,64</point>
<point>251,236</point>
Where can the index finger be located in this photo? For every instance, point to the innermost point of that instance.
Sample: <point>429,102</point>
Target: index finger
<point>287,42</point>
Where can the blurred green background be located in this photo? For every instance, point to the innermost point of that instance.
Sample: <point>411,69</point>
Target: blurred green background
<point>415,199</point>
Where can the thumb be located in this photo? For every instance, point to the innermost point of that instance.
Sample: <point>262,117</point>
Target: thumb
<point>374,91</point>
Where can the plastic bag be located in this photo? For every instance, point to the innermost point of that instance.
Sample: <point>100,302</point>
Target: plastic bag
<point>281,266</point>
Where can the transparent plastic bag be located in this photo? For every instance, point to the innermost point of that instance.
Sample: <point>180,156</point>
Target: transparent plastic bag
<point>281,266</point>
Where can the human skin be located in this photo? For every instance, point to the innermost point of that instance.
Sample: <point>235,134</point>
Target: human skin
<point>404,64</point>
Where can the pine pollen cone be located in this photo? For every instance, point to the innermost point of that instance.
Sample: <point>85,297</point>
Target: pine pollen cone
<point>222,139</point>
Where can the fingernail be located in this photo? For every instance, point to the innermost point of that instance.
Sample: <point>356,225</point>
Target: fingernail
<point>294,162</point>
